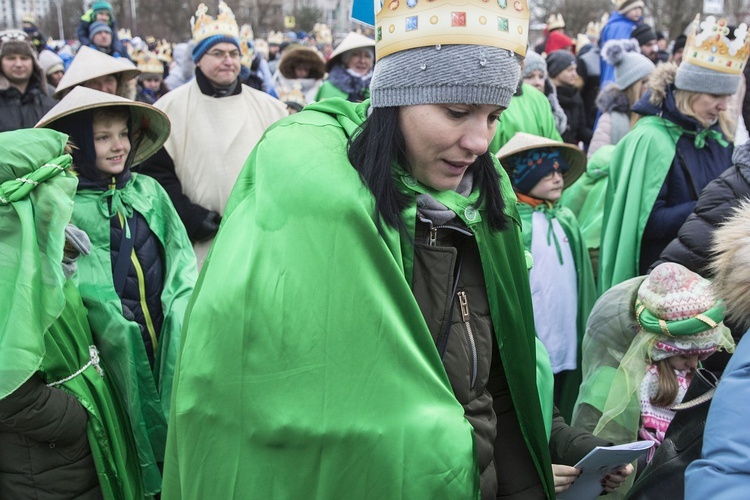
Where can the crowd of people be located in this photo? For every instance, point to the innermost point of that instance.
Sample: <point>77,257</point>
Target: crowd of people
<point>432,264</point>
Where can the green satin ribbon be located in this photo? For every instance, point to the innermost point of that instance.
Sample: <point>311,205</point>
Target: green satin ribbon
<point>549,213</point>
<point>120,203</point>
<point>18,188</point>
<point>707,320</point>
<point>705,134</point>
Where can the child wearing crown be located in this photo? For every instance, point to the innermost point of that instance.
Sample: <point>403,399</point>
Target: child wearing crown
<point>562,281</point>
<point>682,142</point>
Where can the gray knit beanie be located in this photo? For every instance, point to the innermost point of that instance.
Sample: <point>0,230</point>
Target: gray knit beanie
<point>630,66</point>
<point>534,62</point>
<point>707,81</point>
<point>445,74</point>
<point>558,61</point>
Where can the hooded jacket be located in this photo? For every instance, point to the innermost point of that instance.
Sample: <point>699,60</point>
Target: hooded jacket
<point>618,27</point>
<point>614,122</point>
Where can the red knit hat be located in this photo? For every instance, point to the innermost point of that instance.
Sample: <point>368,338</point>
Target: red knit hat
<point>557,40</point>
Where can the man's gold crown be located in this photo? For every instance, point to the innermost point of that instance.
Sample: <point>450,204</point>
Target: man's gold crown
<point>205,26</point>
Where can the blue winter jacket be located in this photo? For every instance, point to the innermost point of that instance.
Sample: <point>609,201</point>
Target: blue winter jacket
<point>617,28</point>
<point>723,471</point>
<point>692,169</point>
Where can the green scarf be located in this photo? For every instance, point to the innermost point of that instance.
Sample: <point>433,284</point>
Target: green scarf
<point>324,381</point>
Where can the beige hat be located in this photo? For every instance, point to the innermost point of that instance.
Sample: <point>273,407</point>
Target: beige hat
<point>624,6</point>
<point>523,142</point>
<point>89,64</point>
<point>149,126</point>
<point>351,41</point>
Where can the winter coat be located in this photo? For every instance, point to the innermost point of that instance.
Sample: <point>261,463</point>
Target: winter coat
<point>589,69</point>
<point>572,103</point>
<point>182,68</point>
<point>568,445</point>
<point>614,122</point>
<point>692,246</point>
<point>44,449</point>
<point>365,434</point>
<point>618,27</point>
<point>561,119</point>
<point>479,383</point>
<point>341,83</point>
<point>23,110</point>
<point>723,471</point>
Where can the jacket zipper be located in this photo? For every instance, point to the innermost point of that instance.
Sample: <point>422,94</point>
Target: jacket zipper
<point>463,300</point>
<point>432,236</point>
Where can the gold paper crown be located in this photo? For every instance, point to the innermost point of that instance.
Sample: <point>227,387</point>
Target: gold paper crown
<point>246,45</point>
<point>164,51</point>
<point>593,30</point>
<point>28,17</point>
<point>147,62</point>
<point>555,21</point>
<point>262,47</point>
<point>407,24</point>
<point>322,34</point>
<point>275,37</point>
<point>205,26</point>
<point>124,34</point>
<point>712,49</point>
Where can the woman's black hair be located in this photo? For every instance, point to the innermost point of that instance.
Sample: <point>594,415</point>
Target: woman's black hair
<point>380,143</point>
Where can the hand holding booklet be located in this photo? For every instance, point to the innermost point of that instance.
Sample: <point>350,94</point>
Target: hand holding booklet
<point>597,464</point>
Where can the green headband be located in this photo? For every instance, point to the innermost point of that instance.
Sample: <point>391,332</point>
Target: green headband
<point>707,320</point>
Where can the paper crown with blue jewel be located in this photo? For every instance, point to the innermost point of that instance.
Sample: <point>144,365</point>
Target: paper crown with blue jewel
<point>708,46</point>
<point>407,24</point>
<point>205,26</point>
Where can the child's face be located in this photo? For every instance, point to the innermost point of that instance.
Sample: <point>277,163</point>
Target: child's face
<point>549,188</point>
<point>568,76</point>
<point>102,16</point>
<point>535,79</point>
<point>111,144</point>
<point>684,362</point>
<point>634,14</point>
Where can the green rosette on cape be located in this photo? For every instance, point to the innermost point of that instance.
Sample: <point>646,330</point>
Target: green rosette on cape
<point>323,380</point>
<point>146,393</point>
<point>639,165</point>
<point>586,290</point>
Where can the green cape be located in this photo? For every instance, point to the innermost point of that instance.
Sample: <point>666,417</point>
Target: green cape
<point>322,379</point>
<point>45,327</point>
<point>586,289</point>
<point>587,196</point>
<point>329,90</point>
<point>146,393</point>
<point>529,112</point>
<point>639,165</point>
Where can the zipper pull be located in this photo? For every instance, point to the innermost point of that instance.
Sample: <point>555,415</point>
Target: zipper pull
<point>433,237</point>
<point>463,300</point>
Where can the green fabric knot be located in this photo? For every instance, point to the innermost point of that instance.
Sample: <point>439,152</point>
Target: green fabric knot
<point>705,134</point>
<point>16,189</point>
<point>120,204</point>
<point>549,213</point>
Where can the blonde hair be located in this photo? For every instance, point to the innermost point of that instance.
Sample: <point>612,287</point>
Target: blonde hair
<point>668,386</point>
<point>633,93</point>
<point>684,100</point>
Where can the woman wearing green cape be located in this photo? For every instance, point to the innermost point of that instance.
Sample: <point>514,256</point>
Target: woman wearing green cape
<point>63,433</point>
<point>362,327</point>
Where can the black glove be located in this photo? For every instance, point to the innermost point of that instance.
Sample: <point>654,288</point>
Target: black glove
<point>209,227</point>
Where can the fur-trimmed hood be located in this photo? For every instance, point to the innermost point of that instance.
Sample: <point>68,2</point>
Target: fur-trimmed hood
<point>299,54</point>
<point>731,264</point>
<point>612,99</point>
<point>660,81</point>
